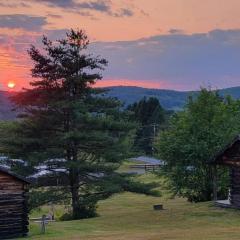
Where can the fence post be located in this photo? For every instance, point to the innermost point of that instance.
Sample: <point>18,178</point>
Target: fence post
<point>43,222</point>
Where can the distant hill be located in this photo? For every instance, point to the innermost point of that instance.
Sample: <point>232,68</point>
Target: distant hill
<point>6,107</point>
<point>169,99</point>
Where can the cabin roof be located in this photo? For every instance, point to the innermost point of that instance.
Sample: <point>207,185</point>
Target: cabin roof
<point>22,179</point>
<point>219,156</point>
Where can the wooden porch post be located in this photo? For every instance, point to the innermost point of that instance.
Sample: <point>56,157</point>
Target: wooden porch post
<point>214,182</point>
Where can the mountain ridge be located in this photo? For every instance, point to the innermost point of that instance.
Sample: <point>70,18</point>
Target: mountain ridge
<point>169,99</point>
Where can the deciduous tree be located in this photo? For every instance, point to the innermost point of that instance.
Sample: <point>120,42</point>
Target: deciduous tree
<point>194,136</point>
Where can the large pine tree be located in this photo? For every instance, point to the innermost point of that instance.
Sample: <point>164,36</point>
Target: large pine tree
<point>67,125</point>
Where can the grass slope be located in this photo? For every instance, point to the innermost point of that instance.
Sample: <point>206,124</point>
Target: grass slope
<point>130,216</point>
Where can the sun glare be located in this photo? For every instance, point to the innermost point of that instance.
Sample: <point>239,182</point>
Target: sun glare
<point>11,85</point>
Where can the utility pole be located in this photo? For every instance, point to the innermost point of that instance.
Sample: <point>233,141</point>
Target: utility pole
<point>154,135</point>
<point>154,130</point>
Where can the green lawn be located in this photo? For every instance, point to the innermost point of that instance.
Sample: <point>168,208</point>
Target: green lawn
<point>130,216</point>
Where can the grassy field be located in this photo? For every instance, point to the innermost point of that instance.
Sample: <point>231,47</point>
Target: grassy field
<point>130,216</point>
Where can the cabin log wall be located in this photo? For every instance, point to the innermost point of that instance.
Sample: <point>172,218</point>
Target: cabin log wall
<point>13,207</point>
<point>235,186</point>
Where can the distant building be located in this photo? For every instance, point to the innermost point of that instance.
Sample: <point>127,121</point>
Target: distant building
<point>13,205</point>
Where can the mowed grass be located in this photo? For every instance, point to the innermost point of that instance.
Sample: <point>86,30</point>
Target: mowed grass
<point>131,216</point>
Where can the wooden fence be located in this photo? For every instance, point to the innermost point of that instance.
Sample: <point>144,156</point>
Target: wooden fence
<point>147,167</point>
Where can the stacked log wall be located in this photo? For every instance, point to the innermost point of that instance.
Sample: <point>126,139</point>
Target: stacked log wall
<point>235,186</point>
<point>13,207</point>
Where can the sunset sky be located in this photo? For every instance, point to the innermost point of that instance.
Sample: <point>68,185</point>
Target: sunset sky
<point>172,44</point>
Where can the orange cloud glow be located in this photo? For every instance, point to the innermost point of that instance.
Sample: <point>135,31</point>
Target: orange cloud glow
<point>154,17</point>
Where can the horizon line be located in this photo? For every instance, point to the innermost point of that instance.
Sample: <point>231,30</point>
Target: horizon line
<point>135,86</point>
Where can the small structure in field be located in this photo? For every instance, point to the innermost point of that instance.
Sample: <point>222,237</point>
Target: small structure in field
<point>13,205</point>
<point>229,156</point>
<point>144,164</point>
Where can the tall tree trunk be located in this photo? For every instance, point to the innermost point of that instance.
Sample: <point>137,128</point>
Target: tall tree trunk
<point>75,202</point>
<point>74,185</point>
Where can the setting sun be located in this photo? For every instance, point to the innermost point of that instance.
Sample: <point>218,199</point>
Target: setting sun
<point>11,85</point>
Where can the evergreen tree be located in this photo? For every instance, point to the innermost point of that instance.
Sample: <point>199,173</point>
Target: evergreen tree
<point>69,128</point>
<point>151,117</point>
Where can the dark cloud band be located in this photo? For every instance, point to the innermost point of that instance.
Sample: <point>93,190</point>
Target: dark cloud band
<point>30,23</point>
<point>103,6</point>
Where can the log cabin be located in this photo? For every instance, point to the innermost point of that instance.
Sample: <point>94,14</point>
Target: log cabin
<point>13,205</point>
<point>229,156</point>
